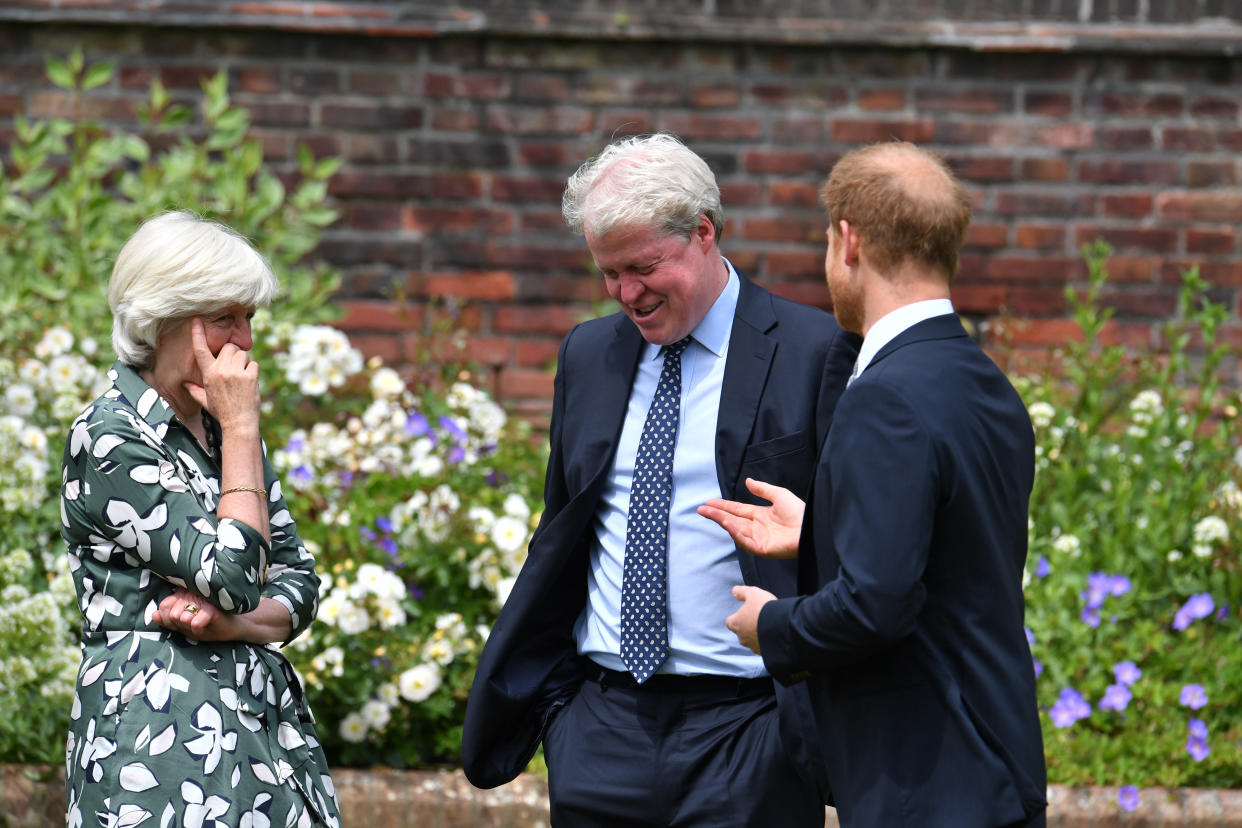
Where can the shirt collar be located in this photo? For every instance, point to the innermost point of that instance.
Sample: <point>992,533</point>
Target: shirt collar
<point>896,322</point>
<point>714,330</point>
<point>133,388</point>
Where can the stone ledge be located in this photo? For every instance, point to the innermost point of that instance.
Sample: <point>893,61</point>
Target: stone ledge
<point>1219,36</point>
<point>32,797</point>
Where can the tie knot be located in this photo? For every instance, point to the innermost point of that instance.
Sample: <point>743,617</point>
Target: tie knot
<point>674,349</point>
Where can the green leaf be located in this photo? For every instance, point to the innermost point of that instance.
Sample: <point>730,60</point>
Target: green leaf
<point>59,73</point>
<point>98,74</point>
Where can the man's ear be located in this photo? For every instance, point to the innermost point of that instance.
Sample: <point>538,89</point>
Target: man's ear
<point>704,233</point>
<point>851,243</point>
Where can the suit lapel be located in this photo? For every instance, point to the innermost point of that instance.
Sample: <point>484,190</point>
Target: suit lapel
<point>609,398</point>
<point>746,372</point>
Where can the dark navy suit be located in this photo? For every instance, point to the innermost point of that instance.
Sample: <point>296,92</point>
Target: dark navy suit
<point>910,629</point>
<point>786,367</point>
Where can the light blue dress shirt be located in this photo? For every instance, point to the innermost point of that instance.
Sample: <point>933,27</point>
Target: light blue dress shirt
<point>702,560</point>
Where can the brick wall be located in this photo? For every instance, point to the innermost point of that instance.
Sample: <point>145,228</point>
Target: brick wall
<point>1069,120</point>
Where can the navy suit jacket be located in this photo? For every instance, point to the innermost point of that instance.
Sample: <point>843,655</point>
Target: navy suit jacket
<point>910,629</point>
<point>786,367</point>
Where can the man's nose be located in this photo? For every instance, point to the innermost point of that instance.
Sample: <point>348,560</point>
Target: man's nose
<point>631,290</point>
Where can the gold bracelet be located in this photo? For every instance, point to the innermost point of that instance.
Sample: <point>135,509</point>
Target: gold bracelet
<point>262,492</point>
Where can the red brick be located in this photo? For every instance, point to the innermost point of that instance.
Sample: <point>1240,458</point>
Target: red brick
<point>1210,241</point>
<point>433,220</point>
<point>710,127</point>
<point>1134,268</point>
<point>504,255</point>
<point>812,294</point>
<point>1210,174</point>
<point>1139,105</point>
<point>796,130</point>
<point>1044,332</point>
<point>1042,268</point>
<point>11,105</point>
<point>792,194</point>
<point>528,190</point>
<point>1063,136</point>
<point>312,82</point>
<point>1125,205</point>
<point>384,346</point>
<point>1200,206</point>
<point>539,120</point>
<point>543,155</point>
<point>1124,138</point>
<point>796,264</point>
<point>714,96</point>
<point>780,163</point>
<point>1220,274</point>
<point>456,186</point>
<point>1187,140</point>
<point>378,316</point>
<point>741,194</point>
<point>973,100</point>
<point>1036,300</point>
<point>525,382</point>
<point>1145,302</point>
<point>1052,104</point>
<point>475,87</point>
<point>543,88</point>
<point>455,120</point>
<point>1156,239</point>
<point>375,83</point>
<point>982,167</point>
<point>1028,203</point>
<point>979,298</point>
<point>488,350</point>
<point>373,216</point>
<point>487,285</point>
<point>355,116</point>
<point>1213,107</point>
<point>983,235</point>
<point>869,132</point>
<point>258,80</point>
<point>364,184</point>
<point>531,219</point>
<point>785,228</point>
<point>1128,172</point>
<point>1044,169</point>
<point>1040,236</point>
<point>888,99</point>
<point>537,352</point>
<point>74,105</point>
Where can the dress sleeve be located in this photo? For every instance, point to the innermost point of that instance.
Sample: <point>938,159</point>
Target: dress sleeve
<point>131,499</point>
<point>291,578</point>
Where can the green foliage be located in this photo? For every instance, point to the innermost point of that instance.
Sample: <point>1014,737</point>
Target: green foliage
<point>1137,510</point>
<point>72,192</point>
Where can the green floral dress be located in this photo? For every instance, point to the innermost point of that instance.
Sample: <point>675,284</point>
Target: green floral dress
<point>167,731</point>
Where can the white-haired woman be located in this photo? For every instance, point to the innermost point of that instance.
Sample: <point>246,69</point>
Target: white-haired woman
<point>187,564</point>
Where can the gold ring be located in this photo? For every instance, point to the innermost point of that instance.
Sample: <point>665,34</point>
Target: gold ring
<point>191,608</point>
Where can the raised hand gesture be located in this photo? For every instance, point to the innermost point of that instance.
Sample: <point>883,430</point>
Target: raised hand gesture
<point>767,531</point>
<point>230,382</point>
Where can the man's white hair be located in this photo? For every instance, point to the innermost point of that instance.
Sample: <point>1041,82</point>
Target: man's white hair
<point>644,181</point>
<point>177,266</point>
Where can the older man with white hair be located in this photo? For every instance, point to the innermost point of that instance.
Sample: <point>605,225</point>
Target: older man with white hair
<point>612,648</point>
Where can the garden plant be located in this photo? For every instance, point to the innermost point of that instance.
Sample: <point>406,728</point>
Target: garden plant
<point>418,493</point>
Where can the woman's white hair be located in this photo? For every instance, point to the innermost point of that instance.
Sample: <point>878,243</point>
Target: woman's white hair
<point>644,181</point>
<point>177,266</point>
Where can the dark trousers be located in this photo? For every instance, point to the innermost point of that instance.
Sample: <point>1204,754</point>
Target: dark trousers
<point>678,751</point>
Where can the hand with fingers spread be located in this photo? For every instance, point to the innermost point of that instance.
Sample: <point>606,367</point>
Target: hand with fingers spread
<point>768,531</point>
<point>230,382</point>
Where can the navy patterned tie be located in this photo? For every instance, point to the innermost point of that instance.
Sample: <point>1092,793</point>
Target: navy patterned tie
<point>644,605</point>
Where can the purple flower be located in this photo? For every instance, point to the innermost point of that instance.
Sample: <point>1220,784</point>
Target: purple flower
<point>384,524</point>
<point>1116,697</point>
<point>389,545</point>
<point>367,533</point>
<point>1118,585</point>
<point>455,455</point>
<point>1127,672</point>
<point>1128,797</point>
<point>303,473</point>
<point>416,593</point>
<point>1222,613</point>
<point>1099,585</point>
<point>1197,748</point>
<point>1039,668</point>
<point>1197,728</point>
<point>295,445</point>
<point>1030,637</point>
<point>1042,568</point>
<point>1069,708</point>
<point>1193,696</point>
<point>450,425</point>
<point>416,424</point>
<point>1091,617</point>
<point>1196,607</point>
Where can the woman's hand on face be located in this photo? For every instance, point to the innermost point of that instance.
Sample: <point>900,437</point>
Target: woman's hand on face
<point>230,389</point>
<point>194,617</point>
